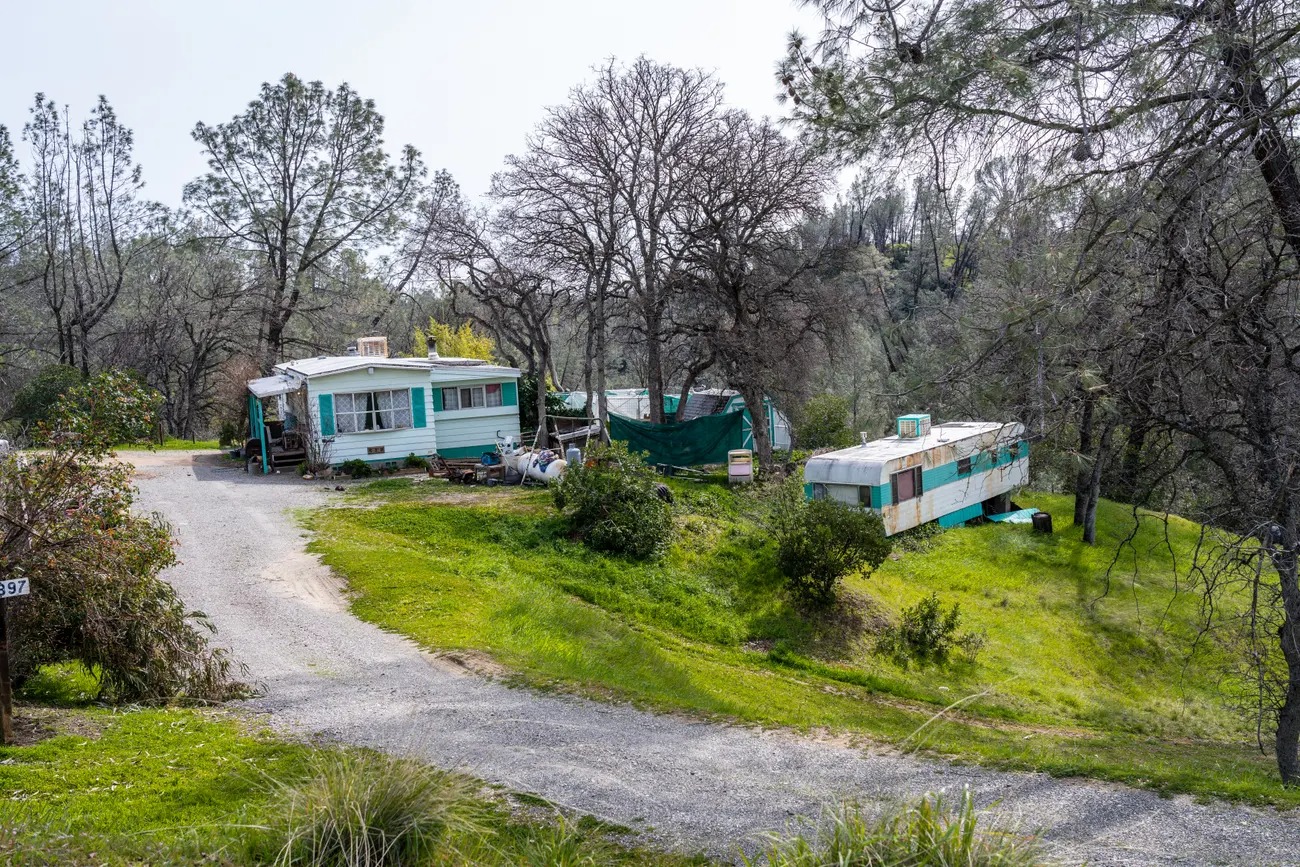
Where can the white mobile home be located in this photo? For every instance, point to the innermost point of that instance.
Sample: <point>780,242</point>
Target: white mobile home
<point>336,408</point>
<point>946,473</point>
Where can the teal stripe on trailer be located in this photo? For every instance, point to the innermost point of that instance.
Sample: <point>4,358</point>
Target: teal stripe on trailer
<point>961,516</point>
<point>881,494</point>
<point>467,451</point>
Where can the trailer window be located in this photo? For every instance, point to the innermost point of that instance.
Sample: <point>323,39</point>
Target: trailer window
<point>471,397</point>
<point>819,491</point>
<point>906,485</point>
<point>964,466</point>
<point>864,496</point>
<point>372,410</point>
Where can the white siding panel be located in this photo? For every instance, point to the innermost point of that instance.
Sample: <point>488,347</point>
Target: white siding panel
<point>398,443</point>
<point>476,427</point>
<point>948,498</point>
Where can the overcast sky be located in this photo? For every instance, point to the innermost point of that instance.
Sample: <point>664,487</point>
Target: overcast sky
<point>463,81</point>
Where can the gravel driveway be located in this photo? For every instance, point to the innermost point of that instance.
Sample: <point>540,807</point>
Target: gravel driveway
<point>690,785</point>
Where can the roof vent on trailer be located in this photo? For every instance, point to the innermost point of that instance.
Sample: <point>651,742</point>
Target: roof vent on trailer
<point>372,347</point>
<point>914,426</point>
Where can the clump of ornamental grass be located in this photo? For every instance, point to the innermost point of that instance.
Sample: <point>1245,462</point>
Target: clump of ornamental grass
<point>923,834</point>
<point>356,808</point>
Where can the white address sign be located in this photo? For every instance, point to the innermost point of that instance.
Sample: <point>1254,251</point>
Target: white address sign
<point>17,587</point>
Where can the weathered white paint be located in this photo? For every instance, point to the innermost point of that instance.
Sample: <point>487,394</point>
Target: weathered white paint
<point>397,443</point>
<point>942,500</point>
<point>850,475</point>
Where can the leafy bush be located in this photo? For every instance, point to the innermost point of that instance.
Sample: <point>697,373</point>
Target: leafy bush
<point>415,462</point>
<point>363,809</point>
<point>357,468</point>
<point>35,402</point>
<point>821,541</point>
<point>825,424</point>
<point>925,834</point>
<point>229,433</point>
<point>555,405</point>
<point>926,633</point>
<point>612,504</point>
<point>67,526</point>
<point>110,407</point>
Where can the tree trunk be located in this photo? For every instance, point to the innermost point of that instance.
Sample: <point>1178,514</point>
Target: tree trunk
<point>655,370</point>
<point>1130,473</point>
<point>1084,475</point>
<point>602,399</point>
<point>1094,488</point>
<point>1288,721</point>
<point>758,416</point>
<point>543,365</point>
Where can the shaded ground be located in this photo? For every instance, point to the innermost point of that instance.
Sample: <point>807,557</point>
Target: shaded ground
<point>693,785</point>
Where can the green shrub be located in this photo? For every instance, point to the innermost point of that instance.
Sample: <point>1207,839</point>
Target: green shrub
<point>229,433</point>
<point>415,462</point>
<point>926,633</point>
<point>825,424</point>
<point>362,809</point>
<point>612,504</point>
<point>925,834</point>
<point>821,541</point>
<point>94,561</point>
<point>35,402</point>
<point>357,469</point>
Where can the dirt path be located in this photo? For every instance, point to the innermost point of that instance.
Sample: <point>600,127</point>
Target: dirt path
<point>691,785</point>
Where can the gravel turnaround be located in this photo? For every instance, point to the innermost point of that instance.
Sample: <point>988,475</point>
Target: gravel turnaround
<point>688,785</point>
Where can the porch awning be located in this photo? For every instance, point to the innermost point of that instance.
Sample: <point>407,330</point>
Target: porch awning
<point>270,386</point>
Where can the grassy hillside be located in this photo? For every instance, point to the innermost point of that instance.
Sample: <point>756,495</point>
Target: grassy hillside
<point>1073,680</point>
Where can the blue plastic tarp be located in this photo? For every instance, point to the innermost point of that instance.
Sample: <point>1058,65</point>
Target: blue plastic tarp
<point>1024,516</point>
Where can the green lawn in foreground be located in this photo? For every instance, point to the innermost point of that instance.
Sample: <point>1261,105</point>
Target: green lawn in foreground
<point>1075,683</point>
<point>184,786</point>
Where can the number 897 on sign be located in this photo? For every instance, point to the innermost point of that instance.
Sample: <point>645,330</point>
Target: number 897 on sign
<point>14,587</point>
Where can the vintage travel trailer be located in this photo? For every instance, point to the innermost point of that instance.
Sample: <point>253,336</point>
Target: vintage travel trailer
<point>950,473</point>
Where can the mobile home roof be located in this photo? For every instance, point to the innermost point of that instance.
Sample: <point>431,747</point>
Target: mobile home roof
<point>871,464</point>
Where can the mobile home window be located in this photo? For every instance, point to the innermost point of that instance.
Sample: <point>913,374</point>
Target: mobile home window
<point>864,496</point>
<point>964,466</point>
<point>372,410</point>
<point>1014,451</point>
<point>906,485</point>
<point>819,491</point>
<point>471,396</point>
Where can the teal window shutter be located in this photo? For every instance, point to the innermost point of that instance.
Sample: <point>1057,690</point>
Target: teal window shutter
<point>327,415</point>
<point>509,394</point>
<point>417,408</point>
<point>437,400</point>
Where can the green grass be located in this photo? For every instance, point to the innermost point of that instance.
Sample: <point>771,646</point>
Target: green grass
<point>171,444</point>
<point>184,786</point>
<point>1072,682</point>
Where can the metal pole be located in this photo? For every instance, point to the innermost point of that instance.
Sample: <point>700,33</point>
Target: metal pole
<point>6,698</point>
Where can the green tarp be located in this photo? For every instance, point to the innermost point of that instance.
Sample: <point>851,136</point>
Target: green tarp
<point>704,440</point>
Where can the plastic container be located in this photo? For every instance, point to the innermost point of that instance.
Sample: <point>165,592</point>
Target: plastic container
<point>740,466</point>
